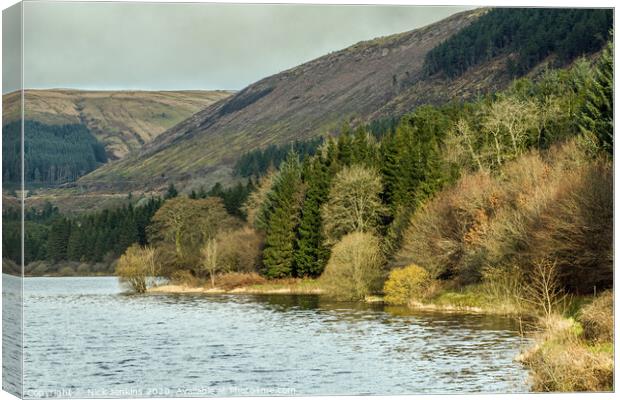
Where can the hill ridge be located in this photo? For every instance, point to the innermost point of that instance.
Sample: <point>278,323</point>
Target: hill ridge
<point>298,103</point>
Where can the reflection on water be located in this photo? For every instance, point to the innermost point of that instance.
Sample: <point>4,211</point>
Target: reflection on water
<point>98,342</point>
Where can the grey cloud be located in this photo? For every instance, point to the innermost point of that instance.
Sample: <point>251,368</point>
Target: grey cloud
<point>193,46</point>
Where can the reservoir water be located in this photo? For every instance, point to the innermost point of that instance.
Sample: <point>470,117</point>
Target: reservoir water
<point>85,338</point>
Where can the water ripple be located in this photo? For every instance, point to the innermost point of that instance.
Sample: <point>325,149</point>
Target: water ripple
<point>85,333</point>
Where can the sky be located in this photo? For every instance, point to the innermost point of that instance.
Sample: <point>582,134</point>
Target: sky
<point>179,46</point>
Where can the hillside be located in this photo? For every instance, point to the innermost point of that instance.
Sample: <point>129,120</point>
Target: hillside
<point>384,77</point>
<point>121,120</point>
<point>300,103</point>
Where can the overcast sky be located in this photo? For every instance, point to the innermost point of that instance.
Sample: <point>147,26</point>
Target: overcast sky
<point>192,46</point>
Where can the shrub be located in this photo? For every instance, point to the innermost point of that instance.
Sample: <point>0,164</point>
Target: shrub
<point>11,267</point>
<point>184,277</point>
<point>354,269</point>
<point>210,262</point>
<point>239,250</point>
<point>568,365</point>
<point>576,229</point>
<point>543,291</point>
<point>102,268</point>
<point>555,206</point>
<point>445,234</point>
<point>84,269</point>
<point>137,268</point>
<point>41,269</point>
<point>406,284</point>
<point>66,271</point>
<point>504,288</point>
<point>231,251</point>
<point>597,318</point>
<point>233,280</point>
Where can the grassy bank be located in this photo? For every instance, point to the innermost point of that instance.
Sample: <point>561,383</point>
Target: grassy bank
<point>249,283</point>
<point>573,347</point>
<point>574,354</point>
<point>573,335</point>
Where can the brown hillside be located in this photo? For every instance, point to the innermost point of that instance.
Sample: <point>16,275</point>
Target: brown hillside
<point>309,100</point>
<point>123,120</point>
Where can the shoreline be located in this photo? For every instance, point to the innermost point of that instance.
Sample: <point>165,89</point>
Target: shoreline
<point>310,287</point>
<point>254,289</point>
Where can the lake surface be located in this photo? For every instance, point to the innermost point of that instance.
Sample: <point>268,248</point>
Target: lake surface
<point>85,338</point>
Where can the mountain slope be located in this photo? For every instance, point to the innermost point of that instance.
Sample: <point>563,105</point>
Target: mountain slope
<point>122,120</point>
<point>306,101</point>
<point>382,77</point>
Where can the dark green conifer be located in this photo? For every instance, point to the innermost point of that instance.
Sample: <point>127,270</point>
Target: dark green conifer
<point>171,192</point>
<point>597,114</point>
<point>311,254</point>
<point>57,239</point>
<point>283,215</point>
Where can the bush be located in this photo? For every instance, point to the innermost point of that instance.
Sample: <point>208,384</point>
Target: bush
<point>576,229</point>
<point>567,364</point>
<point>406,284</point>
<point>555,206</point>
<point>597,318</point>
<point>574,356</point>
<point>11,267</point>
<point>235,279</point>
<point>355,267</point>
<point>102,268</point>
<point>445,234</point>
<point>84,269</point>
<point>40,269</point>
<point>66,271</point>
<point>504,287</point>
<point>137,268</point>
<point>239,250</point>
<point>185,277</point>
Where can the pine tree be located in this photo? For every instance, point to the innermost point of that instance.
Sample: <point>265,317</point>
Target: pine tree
<point>76,245</point>
<point>100,249</point>
<point>345,146</point>
<point>596,117</point>
<point>412,168</point>
<point>57,239</point>
<point>364,150</point>
<point>283,217</point>
<point>417,140</point>
<point>390,170</point>
<point>128,234</point>
<point>171,192</point>
<point>311,254</point>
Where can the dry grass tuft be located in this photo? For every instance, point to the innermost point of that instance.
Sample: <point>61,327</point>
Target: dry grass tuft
<point>597,318</point>
<point>569,367</point>
<point>234,280</point>
<point>184,277</point>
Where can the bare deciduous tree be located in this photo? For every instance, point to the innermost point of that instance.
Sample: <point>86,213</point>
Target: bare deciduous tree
<point>354,204</point>
<point>543,291</point>
<point>138,268</point>
<point>210,260</point>
<point>355,268</point>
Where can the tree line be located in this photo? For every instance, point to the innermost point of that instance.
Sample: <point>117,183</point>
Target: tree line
<point>255,163</point>
<point>529,34</point>
<point>99,236</point>
<point>358,197</point>
<point>53,154</point>
<point>363,203</point>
